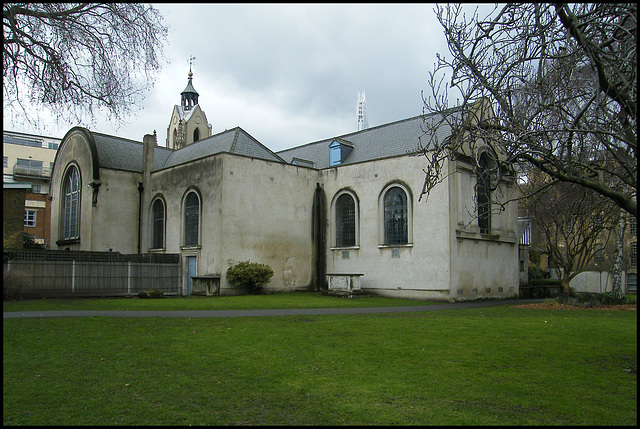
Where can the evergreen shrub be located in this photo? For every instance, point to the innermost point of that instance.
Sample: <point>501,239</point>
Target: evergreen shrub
<point>250,275</point>
<point>151,293</point>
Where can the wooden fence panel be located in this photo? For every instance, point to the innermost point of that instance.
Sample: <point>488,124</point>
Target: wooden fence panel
<point>54,275</point>
<point>164,277</point>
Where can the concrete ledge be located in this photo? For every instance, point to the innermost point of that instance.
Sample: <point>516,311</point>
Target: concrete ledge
<point>206,285</point>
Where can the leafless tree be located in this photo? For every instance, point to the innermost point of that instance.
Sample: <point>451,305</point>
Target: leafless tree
<point>578,225</point>
<point>562,82</point>
<point>74,59</point>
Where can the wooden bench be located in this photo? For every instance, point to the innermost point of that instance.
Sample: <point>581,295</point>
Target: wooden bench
<point>206,285</point>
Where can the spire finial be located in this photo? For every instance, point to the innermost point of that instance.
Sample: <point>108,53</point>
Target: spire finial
<point>191,59</point>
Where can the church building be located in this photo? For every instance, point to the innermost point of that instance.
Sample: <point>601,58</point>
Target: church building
<point>347,204</point>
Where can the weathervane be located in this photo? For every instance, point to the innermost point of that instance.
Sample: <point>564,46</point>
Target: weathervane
<point>191,62</point>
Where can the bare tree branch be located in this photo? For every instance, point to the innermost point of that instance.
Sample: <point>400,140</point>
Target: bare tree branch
<point>562,82</point>
<point>75,59</point>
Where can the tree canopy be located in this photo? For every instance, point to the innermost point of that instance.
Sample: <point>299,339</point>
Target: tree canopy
<point>561,80</point>
<point>74,59</point>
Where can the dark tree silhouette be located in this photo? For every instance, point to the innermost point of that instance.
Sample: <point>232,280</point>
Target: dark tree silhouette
<point>74,59</point>
<point>561,80</point>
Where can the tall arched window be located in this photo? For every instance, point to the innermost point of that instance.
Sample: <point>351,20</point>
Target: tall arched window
<point>396,217</point>
<point>483,195</point>
<point>158,225</point>
<point>191,219</point>
<point>196,135</point>
<point>345,221</point>
<point>71,205</point>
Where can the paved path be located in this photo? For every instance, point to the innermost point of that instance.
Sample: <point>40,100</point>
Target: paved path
<point>258,313</point>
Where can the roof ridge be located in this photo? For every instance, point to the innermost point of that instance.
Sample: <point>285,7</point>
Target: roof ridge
<point>342,136</point>
<point>260,144</point>
<point>235,140</point>
<point>125,139</point>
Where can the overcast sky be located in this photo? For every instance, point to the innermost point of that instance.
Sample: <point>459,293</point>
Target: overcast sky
<point>288,74</point>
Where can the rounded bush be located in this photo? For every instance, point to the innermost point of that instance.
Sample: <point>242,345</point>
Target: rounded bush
<point>250,275</point>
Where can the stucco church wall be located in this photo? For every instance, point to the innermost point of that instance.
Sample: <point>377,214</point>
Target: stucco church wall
<point>75,150</point>
<point>107,226</point>
<point>172,185</point>
<point>484,269</point>
<point>115,215</point>
<point>482,265</point>
<point>419,270</point>
<point>262,211</point>
<point>251,209</point>
<point>463,202</point>
<point>267,218</point>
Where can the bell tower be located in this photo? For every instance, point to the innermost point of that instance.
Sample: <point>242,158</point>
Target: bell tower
<point>188,122</point>
<point>189,95</point>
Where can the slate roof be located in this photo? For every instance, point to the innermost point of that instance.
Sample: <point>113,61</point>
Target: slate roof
<point>122,154</point>
<point>235,141</point>
<point>118,153</point>
<point>384,141</point>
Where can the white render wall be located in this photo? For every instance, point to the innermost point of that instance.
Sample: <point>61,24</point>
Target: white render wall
<point>419,269</point>
<point>267,218</point>
<point>172,185</point>
<point>107,225</point>
<point>447,258</point>
<point>482,265</point>
<point>114,218</point>
<point>250,210</point>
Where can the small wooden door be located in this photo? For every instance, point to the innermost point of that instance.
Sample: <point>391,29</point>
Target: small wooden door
<point>192,271</point>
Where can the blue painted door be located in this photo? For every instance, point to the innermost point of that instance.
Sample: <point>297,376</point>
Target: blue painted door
<point>192,270</point>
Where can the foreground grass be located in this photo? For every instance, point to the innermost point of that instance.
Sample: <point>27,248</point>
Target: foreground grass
<point>243,302</point>
<point>486,366</point>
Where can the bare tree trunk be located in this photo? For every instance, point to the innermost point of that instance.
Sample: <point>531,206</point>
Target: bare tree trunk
<point>565,282</point>
<point>617,267</point>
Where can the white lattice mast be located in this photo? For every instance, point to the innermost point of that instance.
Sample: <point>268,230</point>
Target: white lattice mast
<point>361,113</point>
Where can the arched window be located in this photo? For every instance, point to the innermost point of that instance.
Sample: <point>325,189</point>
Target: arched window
<point>196,135</point>
<point>345,221</point>
<point>191,219</point>
<point>483,195</point>
<point>396,217</point>
<point>158,224</point>
<point>71,205</point>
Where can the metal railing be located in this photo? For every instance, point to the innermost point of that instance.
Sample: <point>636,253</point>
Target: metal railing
<point>25,170</point>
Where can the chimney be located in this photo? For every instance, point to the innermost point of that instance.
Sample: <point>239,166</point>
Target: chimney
<point>149,143</point>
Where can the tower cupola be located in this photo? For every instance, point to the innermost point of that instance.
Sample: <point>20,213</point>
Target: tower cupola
<point>189,95</point>
<point>188,122</point>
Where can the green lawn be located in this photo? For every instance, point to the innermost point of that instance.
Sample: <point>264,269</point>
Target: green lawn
<point>485,366</point>
<point>241,302</point>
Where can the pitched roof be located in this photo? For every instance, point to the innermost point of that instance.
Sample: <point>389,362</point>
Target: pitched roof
<point>118,153</point>
<point>384,141</point>
<point>235,140</point>
<point>123,154</point>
